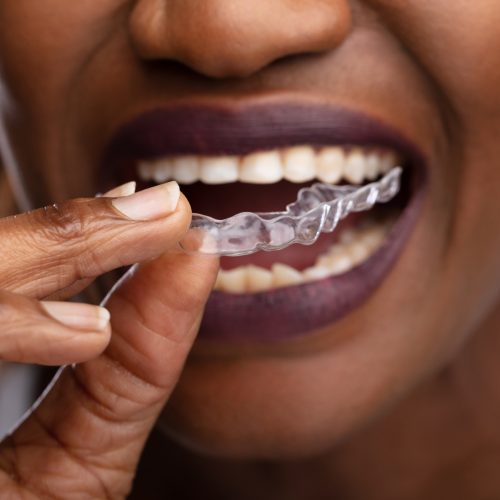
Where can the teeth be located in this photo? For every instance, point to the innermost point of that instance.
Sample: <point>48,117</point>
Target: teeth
<point>340,264</point>
<point>316,273</point>
<point>261,168</point>
<point>145,170</point>
<point>258,279</point>
<point>297,164</point>
<point>354,168</point>
<point>233,281</point>
<point>330,165</point>
<point>389,159</point>
<point>358,252</point>
<point>372,166</point>
<point>347,236</point>
<point>162,171</point>
<point>284,275</point>
<point>220,170</point>
<point>373,238</point>
<point>186,169</point>
<point>341,257</point>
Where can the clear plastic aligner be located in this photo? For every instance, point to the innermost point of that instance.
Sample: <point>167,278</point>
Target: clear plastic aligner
<point>318,208</point>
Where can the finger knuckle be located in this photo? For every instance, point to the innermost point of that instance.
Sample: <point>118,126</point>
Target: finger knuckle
<point>66,233</point>
<point>66,229</point>
<point>66,222</point>
<point>69,227</point>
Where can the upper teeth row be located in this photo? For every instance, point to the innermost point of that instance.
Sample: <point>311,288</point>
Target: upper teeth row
<point>295,164</point>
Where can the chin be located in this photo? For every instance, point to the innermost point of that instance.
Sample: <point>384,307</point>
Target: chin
<point>263,436</point>
<point>276,411</point>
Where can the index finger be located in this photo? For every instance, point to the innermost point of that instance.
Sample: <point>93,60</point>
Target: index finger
<point>49,249</point>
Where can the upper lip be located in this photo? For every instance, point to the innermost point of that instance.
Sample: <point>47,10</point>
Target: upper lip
<point>220,129</point>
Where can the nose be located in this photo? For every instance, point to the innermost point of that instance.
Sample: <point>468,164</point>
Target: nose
<point>236,38</point>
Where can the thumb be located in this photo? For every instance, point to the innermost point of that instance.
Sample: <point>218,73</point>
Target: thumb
<point>86,436</point>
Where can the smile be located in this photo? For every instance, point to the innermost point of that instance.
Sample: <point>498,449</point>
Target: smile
<point>256,159</point>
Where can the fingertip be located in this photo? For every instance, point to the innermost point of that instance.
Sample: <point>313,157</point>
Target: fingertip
<point>177,225</point>
<point>90,345</point>
<point>84,346</point>
<point>56,346</point>
<point>184,210</point>
<point>150,204</point>
<point>126,189</point>
<point>79,316</point>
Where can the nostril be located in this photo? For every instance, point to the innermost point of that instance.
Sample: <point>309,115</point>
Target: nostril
<point>235,38</point>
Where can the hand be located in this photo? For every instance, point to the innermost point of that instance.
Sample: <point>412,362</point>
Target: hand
<point>85,438</point>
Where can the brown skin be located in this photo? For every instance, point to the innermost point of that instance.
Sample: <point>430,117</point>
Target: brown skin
<point>402,407</point>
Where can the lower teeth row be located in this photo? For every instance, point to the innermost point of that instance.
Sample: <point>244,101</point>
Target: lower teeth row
<point>355,246</point>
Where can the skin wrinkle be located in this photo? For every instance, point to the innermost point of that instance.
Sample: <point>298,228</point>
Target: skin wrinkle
<point>111,392</point>
<point>105,461</point>
<point>69,446</point>
<point>23,485</point>
<point>10,472</point>
<point>144,355</point>
<point>374,406</point>
<point>71,453</point>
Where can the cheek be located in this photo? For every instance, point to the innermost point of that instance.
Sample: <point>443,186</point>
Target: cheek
<point>458,43</point>
<point>42,56</point>
<point>42,53</point>
<point>458,46</point>
<point>474,250</point>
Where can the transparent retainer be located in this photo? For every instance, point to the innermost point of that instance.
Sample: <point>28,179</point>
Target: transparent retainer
<point>318,209</point>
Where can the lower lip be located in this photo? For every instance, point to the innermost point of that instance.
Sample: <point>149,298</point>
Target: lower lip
<point>287,313</point>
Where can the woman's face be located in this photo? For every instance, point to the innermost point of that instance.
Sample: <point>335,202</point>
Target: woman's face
<point>280,72</point>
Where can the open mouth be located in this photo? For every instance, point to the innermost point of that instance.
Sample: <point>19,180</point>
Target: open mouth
<point>256,160</point>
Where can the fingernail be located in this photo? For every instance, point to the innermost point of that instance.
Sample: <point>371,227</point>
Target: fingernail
<point>80,316</point>
<point>123,190</point>
<point>153,203</point>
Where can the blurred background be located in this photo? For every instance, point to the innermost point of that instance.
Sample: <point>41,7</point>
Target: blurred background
<point>7,206</point>
<point>19,384</point>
